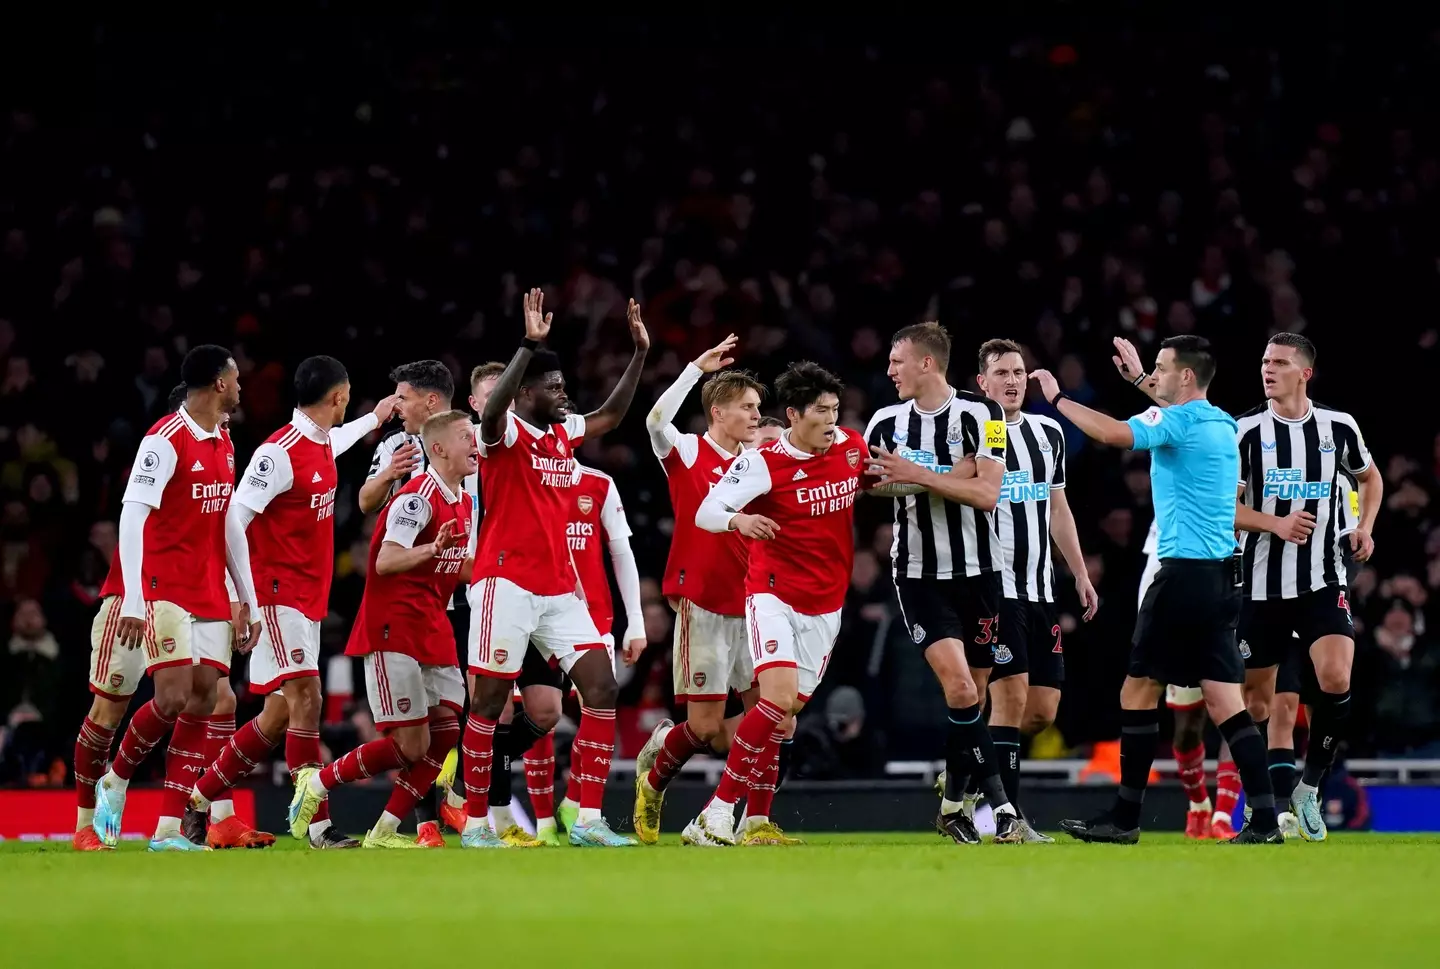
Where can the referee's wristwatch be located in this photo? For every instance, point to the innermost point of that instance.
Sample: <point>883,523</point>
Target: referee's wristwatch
<point>1059,396</point>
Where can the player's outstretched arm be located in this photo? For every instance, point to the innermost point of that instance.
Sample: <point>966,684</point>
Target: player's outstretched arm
<point>612,412</point>
<point>978,487</point>
<point>537,328</point>
<point>747,478</point>
<point>1095,425</point>
<point>345,436</point>
<point>660,422</point>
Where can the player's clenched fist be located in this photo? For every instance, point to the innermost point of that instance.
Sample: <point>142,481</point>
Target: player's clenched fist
<point>1296,527</point>
<point>755,526</point>
<point>537,321</point>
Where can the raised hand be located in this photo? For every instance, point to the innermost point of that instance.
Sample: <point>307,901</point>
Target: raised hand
<point>405,460</point>
<point>757,527</point>
<point>387,408</point>
<point>1127,360</point>
<point>717,357</point>
<point>537,321</point>
<point>446,537</point>
<point>1049,386</point>
<point>637,326</point>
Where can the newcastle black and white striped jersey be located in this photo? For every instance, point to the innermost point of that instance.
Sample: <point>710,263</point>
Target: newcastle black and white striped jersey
<point>935,538</point>
<point>1034,466</point>
<point>385,452</point>
<point>1287,466</point>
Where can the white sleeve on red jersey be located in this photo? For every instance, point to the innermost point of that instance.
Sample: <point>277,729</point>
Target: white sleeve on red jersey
<point>268,475</point>
<point>612,513</point>
<point>345,436</point>
<point>747,478</point>
<point>660,422</point>
<point>508,439</point>
<point>406,519</point>
<point>132,557</point>
<point>575,428</point>
<point>239,580</point>
<point>155,462</point>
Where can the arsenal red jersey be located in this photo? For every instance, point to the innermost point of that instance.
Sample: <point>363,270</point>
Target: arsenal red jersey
<point>812,498</point>
<point>290,485</point>
<point>706,568</point>
<point>596,518</point>
<point>405,612</point>
<point>185,474</point>
<point>529,480</point>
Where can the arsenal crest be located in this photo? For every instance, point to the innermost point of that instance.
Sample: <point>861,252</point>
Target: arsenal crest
<point>117,680</point>
<point>586,503</point>
<point>168,645</point>
<point>403,704</point>
<point>501,655</point>
<point>853,456</point>
<point>230,460</point>
<point>771,645</point>
<point>298,655</point>
<point>699,679</point>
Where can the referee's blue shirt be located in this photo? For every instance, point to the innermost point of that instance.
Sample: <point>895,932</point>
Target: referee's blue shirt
<point>1194,468</point>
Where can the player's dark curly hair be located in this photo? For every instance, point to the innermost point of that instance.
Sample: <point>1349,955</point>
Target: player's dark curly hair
<point>541,363</point>
<point>317,376</point>
<point>204,364</point>
<point>178,393</point>
<point>772,422</point>
<point>428,376</point>
<point>803,383</point>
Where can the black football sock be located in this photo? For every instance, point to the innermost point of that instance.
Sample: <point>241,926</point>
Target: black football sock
<point>1327,729</point>
<point>425,809</point>
<point>1139,735</point>
<point>970,751</point>
<point>1007,749</point>
<point>520,736</point>
<point>1247,749</point>
<point>787,748</point>
<point>1282,773</point>
<point>500,767</point>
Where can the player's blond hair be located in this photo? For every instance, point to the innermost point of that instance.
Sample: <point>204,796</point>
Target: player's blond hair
<point>436,425</point>
<point>930,338</point>
<point>485,371</point>
<point>728,385</point>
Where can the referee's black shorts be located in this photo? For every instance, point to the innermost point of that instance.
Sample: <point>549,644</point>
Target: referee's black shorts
<point>966,608</point>
<point>1186,630</point>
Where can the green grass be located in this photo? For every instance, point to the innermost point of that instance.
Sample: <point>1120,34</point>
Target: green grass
<point>1363,900</point>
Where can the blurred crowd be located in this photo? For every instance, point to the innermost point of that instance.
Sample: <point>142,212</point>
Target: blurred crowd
<point>381,190</point>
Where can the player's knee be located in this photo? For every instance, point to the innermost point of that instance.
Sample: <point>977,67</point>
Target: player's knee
<point>961,693</point>
<point>303,701</point>
<point>1036,721</point>
<point>544,715</point>
<point>1333,677</point>
<point>600,693</point>
<point>412,742</point>
<point>171,698</point>
<point>224,704</point>
<point>706,728</point>
<point>491,697</point>
<point>1258,704</point>
<point>107,713</point>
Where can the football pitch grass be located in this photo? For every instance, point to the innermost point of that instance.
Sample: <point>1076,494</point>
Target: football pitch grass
<point>863,900</point>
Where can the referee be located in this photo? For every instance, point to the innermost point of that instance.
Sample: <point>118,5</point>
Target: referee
<point>1186,630</point>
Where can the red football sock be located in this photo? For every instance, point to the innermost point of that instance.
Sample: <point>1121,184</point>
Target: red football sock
<point>765,779</point>
<point>183,763</point>
<point>1227,788</point>
<point>367,760</point>
<point>751,740</point>
<point>244,751</point>
<point>219,730</point>
<point>415,782</point>
<point>302,748</point>
<point>1192,772</point>
<point>147,728</point>
<point>594,747</point>
<point>573,783</point>
<point>539,777</point>
<point>477,753</point>
<point>92,750</point>
<point>680,745</point>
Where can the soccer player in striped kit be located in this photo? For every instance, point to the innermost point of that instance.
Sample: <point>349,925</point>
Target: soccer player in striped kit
<point>283,513</point>
<point>1294,453</point>
<point>1029,665</point>
<point>947,554</point>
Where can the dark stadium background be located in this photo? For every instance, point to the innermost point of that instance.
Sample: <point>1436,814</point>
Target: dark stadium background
<point>380,188</point>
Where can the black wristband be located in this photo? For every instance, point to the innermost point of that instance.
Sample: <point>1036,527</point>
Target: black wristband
<point>1059,396</point>
<point>1139,380</point>
<point>529,344</point>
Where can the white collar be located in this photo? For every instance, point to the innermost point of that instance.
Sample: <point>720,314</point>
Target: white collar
<point>715,444</point>
<point>840,438</point>
<point>1309,411</point>
<point>937,410</point>
<point>199,432</point>
<point>445,491</point>
<point>308,427</point>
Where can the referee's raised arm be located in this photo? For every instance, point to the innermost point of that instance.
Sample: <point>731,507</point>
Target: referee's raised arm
<point>1185,634</point>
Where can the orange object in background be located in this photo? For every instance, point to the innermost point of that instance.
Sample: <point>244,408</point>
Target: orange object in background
<point>1104,765</point>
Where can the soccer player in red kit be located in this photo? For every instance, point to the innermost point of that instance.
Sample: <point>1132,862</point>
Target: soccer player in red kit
<point>800,492</point>
<point>282,534</point>
<point>523,591</point>
<point>704,574</point>
<point>418,556</point>
<point>174,604</point>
